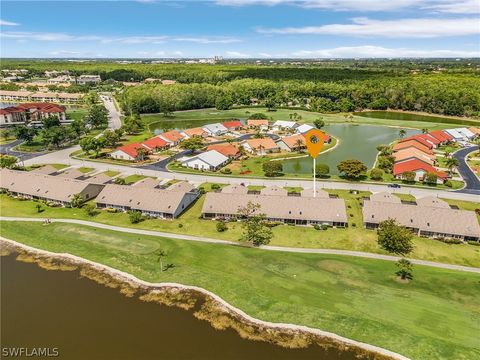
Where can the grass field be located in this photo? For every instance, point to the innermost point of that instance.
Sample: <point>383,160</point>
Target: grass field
<point>433,317</point>
<point>352,238</point>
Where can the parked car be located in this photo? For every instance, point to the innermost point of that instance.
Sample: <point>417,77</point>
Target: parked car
<point>395,186</point>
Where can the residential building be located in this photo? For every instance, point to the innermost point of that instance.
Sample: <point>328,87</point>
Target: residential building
<point>419,139</point>
<point>466,132</point>
<point>430,217</point>
<point>198,132</point>
<point>475,131</point>
<point>442,136</point>
<point>55,189</point>
<point>148,182</point>
<point>260,124</point>
<point>284,125</point>
<point>409,144</point>
<point>216,129</point>
<point>39,110</point>
<point>210,160</point>
<point>159,203</point>
<point>184,186</point>
<point>229,150</point>
<point>128,152</point>
<point>71,173</point>
<point>287,209</point>
<point>15,95</point>
<point>68,98</point>
<point>260,146</point>
<point>413,153</point>
<point>319,193</point>
<point>304,128</point>
<point>88,79</point>
<point>420,169</point>
<point>233,125</point>
<point>273,190</point>
<point>172,137</point>
<point>235,189</point>
<point>292,143</point>
<point>457,136</point>
<point>155,144</point>
<point>100,178</point>
<point>62,79</point>
<point>46,170</point>
<point>12,116</point>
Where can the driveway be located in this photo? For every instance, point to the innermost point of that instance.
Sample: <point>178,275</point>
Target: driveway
<point>471,180</point>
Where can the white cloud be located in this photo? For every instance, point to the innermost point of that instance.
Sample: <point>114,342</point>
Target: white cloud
<point>370,51</point>
<point>402,28</point>
<point>450,6</point>
<point>267,55</point>
<point>64,52</point>
<point>203,40</point>
<point>8,23</point>
<point>236,54</point>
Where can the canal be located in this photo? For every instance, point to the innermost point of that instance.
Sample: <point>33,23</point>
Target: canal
<point>84,320</point>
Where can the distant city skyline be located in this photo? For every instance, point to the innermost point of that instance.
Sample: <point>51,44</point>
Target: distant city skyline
<point>241,29</point>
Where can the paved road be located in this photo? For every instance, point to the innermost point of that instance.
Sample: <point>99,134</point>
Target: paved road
<point>8,149</point>
<point>471,180</point>
<point>114,121</point>
<point>267,247</point>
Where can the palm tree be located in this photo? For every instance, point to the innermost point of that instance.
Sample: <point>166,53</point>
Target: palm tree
<point>260,148</point>
<point>424,130</point>
<point>77,200</point>
<point>402,133</point>
<point>160,254</point>
<point>447,153</point>
<point>451,163</point>
<point>299,144</point>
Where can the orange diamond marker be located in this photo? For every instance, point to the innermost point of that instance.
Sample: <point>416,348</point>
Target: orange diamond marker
<point>314,140</point>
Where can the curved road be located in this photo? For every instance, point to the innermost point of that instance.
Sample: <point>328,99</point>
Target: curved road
<point>472,182</point>
<point>232,243</point>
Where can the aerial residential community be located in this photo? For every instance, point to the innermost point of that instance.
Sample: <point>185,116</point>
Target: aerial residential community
<point>284,179</point>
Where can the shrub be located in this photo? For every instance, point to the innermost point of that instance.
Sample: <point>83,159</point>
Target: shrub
<point>90,210</point>
<point>135,216</point>
<point>111,210</point>
<point>272,224</point>
<point>221,226</point>
<point>448,183</point>
<point>376,174</point>
<point>317,227</point>
<point>325,226</point>
<point>180,225</point>
<point>272,168</point>
<point>226,171</point>
<point>201,190</point>
<point>475,243</point>
<point>215,187</point>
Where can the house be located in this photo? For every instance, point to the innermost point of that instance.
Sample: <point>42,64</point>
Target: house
<point>475,131</point>
<point>12,116</point>
<point>284,125</point>
<point>181,186</point>
<point>229,150</point>
<point>199,132</point>
<point>233,125</point>
<point>287,209</point>
<point>442,136</point>
<point>210,160</point>
<point>46,170</point>
<point>319,193</point>
<point>466,132</point>
<point>71,174</point>
<point>260,124</point>
<point>273,190</point>
<point>88,79</point>
<point>128,152</point>
<point>235,189</point>
<point>148,182</point>
<point>457,136</point>
<point>260,146</point>
<point>292,143</point>
<point>304,128</point>
<point>101,178</point>
<point>420,169</point>
<point>419,139</point>
<point>431,217</point>
<point>430,139</point>
<point>172,137</point>
<point>385,197</point>
<point>413,153</point>
<point>411,144</point>
<point>216,129</point>
<point>54,189</point>
<point>155,144</point>
<point>159,203</point>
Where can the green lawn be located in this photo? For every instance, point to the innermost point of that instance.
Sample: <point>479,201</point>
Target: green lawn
<point>76,114</point>
<point>133,178</point>
<point>111,173</point>
<point>85,169</point>
<point>433,317</point>
<point>6,138</point>
<point>353,238</point>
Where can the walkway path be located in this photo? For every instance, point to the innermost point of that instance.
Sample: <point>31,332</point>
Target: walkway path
<point>266,247</point>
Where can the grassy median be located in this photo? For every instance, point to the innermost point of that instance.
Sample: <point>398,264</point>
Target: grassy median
<point>433,317</point>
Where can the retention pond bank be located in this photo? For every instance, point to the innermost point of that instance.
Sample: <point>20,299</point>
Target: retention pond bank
<point>62,309</point>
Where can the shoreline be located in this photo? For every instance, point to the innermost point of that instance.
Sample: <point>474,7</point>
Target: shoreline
<point>287,335</point>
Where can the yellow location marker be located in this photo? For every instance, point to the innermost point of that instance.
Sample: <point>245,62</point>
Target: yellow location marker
<point>314,139</point>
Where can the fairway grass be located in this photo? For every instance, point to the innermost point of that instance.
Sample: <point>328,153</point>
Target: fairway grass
<point>433,317</point>
<point>189,223</point>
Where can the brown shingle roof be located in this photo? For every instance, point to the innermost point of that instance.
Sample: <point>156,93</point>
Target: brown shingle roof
<point>274,190</point>
<point>235,189</point>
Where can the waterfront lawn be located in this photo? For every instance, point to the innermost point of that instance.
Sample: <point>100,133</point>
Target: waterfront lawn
<point>352,238</point>
<point>435,316</point>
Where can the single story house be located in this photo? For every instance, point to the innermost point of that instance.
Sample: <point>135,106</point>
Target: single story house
<point>159,203</point>
<point>260,124</point>
<point>292,143</point>
<point>411,144</point>
<point>199,132</point>
<point>319,193</point>
<point>457,135</point>
<point>128,152</point>
<point>155,144</point>
<point>235,189</point>
<point>420,169</point>
<point>273,191</point>
<point>229,150</point>
<point>100,178</point>
<point>260,146</point>
<point>55,189</point>
<point>475,130</point>
<point>172,137</point>
<point>304,128</point>
<point>442,136</point>
<point>287,209</point>
<point>413,153</point>
<point>233,125</point>
<point>430,139</point>
<point>45,169</point>
<point>71,173</point>
<point>429,218</point>
<point>284,125</point>
<point>148,182</point>
<point>418,138</point>
<point>216,129</point>
<point>210,160</point>
<point>468,134</point>
<point>184,186</point>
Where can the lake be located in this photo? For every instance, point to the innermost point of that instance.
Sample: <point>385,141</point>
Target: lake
<point>356,142</point>
<point>85,320</point>
<point>398,115</point>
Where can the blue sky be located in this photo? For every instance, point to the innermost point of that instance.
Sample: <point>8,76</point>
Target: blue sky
<point>241,28</point>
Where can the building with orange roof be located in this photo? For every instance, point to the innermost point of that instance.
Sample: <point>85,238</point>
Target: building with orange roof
<point>410,144</point>
<point>441,135</point>
<point>233,124</point>
<point>192,132</point>
<point>229,150</point>
<point>172,137</point>
<point>419,168</point>
<point>260,146</point>
<point>155,144</point>
<point>129,152</point>
<point>261,124</point>
<point>418,138</point>
<point>475,130</point>
<point>292,143</point>
<point>413,153</point>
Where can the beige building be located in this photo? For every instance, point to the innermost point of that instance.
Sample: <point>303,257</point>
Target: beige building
<point>56,189</point>
<point>431,217</point>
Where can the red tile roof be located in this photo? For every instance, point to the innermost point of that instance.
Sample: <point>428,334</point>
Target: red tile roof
<point>172,135</point>
<point>131,149</point>
<point>42,107</point>
<point>429,138</point>
<point>225,149</point>
<point>415,164</point>
<point>419,139</point>
<point>155,142</point>
<point>412,143</point>
<point>11,109</point>
<point>439,134</point>
<point>232,124</point>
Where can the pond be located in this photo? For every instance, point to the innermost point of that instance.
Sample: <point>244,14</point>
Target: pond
<point>85,320</point>
<point>398,115</point>
<point>356,142</point>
